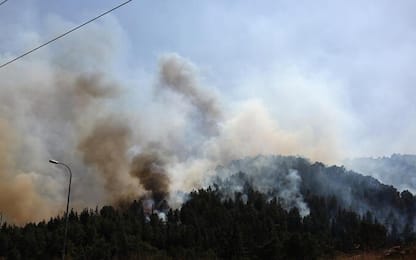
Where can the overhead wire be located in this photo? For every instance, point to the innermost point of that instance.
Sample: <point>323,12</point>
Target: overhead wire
<point>63,34</point>
<point>3,2</point>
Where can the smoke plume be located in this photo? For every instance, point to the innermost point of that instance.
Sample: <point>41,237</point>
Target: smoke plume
<point>105,148</point>
<point>269,175</point>
<point>18,197</point>
<point>149,169</point>
<point>162,143</point>
<point>179,75</point>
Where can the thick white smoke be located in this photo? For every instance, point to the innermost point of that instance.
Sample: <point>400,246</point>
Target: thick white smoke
<point>266,174</point>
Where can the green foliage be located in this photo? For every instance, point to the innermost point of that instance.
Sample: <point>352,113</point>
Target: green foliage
<point>206,227</point>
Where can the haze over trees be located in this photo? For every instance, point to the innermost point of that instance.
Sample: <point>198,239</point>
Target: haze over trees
<point>398,170</point>
<point>220,222</point>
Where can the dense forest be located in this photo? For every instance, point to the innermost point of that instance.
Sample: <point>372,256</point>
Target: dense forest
<point>206,226</point>
<point>248,222</point>
<point>293,178</point>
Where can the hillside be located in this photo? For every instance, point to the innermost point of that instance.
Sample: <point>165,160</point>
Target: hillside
<point>397,170</point>
<point>265,207</point>
<point>293,178</point>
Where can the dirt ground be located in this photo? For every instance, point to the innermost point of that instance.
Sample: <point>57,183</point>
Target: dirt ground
<point>397,252</point>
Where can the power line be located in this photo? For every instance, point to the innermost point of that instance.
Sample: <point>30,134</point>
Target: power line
<point>3,2</point>
<point>63,35</point>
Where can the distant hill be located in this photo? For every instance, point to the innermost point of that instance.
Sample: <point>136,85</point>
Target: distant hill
<point>292,179</point>
<point>397,170</point>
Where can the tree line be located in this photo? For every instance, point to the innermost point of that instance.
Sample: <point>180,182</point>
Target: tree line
<point>207,226</point>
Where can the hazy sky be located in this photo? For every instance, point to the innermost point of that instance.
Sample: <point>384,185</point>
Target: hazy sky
<point>347,66</point>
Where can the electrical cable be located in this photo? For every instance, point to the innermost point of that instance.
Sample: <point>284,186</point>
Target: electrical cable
<point>63,35</point>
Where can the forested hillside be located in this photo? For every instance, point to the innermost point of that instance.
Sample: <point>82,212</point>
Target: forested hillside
<point>206,226</point>
<point>398,170</point>
<point>292,178</point>
<point>257,219</point>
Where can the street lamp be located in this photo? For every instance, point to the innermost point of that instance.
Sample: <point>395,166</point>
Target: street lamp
<point>67,202</point>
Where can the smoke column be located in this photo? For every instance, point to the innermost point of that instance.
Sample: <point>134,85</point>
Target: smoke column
<point>18,197</point>
<point>179,75</point>
<point>105,148</point>
<point>149,169</point>
<point>69,107</point>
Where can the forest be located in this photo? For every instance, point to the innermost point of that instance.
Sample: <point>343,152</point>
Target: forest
<point>225,222</point>
<point>207,227</point>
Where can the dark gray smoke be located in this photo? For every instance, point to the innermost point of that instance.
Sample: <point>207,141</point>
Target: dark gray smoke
<point>149,169</point>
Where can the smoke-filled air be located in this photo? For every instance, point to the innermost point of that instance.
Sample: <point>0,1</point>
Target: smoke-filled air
<point>183,109</point>
<point>207,129</point>
<point>75,116</point>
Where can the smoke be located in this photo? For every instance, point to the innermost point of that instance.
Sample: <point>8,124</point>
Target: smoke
<point>48,108</point>
<point>179,75</point>
<point>266,174</point>
<point>291,194</point>
<point>92,86</point>
<point>397,170</point>
<point>118,155</point>
<point>162,143</point>
<point>149,169</point>
<point>18,197</point>
<point>105,149</point>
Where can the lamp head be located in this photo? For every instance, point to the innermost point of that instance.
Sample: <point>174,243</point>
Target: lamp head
<point>53,161</point>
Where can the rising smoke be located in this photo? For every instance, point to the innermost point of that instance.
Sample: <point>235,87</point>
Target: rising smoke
<point>397,170</point>
<point>105,149</point>
<point>268,175</point>
<point>72,111</point>
<point>18,197</point>
<point>149,169</point>
<point>179,75</point>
